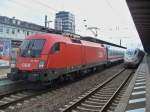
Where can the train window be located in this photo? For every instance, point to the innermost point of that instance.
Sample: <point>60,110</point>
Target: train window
<point>32,47</point>
<point>130,53</point>
<point>56,48</point>
<point>38,44</point>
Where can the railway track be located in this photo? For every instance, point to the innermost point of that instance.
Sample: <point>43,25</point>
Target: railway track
<point>100,97</point>
<point>18,96</point>
<point>13,98</point>
<point>16,92</point>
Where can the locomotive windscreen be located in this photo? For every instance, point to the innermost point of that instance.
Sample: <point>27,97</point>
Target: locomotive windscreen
<point>32,48</point>
<point>130,52</point>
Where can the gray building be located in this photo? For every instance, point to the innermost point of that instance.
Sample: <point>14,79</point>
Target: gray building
<point>12,33</point>
<point>65,21</point>
<point>16,29</point>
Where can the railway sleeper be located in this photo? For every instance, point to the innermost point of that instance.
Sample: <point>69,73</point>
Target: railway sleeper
<point>93,102</point>
<point>94,99</point>
<point>83,109</point>
<point>100,97</point>
<point>90,105</point>
<point>15,96</point>
<point>9,99</point>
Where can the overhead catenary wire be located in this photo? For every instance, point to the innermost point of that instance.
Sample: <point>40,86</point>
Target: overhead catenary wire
<point>45,5</point>
<point>21,4</point>
<point>115,12</point>
<point>54,10</point>
<point>28,7</point>
<point>78,18</point>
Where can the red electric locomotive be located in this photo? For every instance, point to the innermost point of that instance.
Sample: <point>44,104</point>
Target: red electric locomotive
<point>45,57</point>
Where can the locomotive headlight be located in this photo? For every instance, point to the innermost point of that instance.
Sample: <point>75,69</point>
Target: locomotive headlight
<point>41,64</point>
<point>12,63</point>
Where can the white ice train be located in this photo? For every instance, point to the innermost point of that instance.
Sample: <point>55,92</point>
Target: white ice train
<point>133,57</point>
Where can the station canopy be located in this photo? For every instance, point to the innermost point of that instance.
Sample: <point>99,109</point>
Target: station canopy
<point>140,11</point>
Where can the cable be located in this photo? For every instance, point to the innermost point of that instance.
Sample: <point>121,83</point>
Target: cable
<point>122,19</point>
<point>54,9</point>
<point>40,3</point>
<point>45,5</point>
<point>115,12</point>
<point>19,3</point>
<point>80,20</point>
<point>25,7</point>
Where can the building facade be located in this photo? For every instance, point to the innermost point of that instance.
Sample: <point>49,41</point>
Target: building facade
<point>12,28</point>
<point>12,32</point>
<point>65,21</point>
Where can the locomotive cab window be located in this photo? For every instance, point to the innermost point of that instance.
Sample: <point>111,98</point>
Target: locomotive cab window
<point>32,48</point>
<point>55,48</point>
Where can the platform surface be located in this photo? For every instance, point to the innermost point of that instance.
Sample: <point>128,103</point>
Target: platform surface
<point>137,95</point>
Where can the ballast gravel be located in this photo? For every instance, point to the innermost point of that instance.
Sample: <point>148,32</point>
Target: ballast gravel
<point>55,99</point>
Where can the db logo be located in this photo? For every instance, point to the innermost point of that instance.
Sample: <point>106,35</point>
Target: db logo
<point>26,65</point>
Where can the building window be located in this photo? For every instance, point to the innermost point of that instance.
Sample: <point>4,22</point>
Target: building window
<point>1,28</point>
<point>27,33</point>
<point>7,30</point>
<point>18,30</point>
<point>13,31</point>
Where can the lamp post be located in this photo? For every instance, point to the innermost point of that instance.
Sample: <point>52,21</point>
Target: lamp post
<point>47,23</point>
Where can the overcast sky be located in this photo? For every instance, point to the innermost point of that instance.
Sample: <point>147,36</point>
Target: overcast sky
<point>111,16</point>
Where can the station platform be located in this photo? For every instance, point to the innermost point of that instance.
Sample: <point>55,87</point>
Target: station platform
<point>137,95</point>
